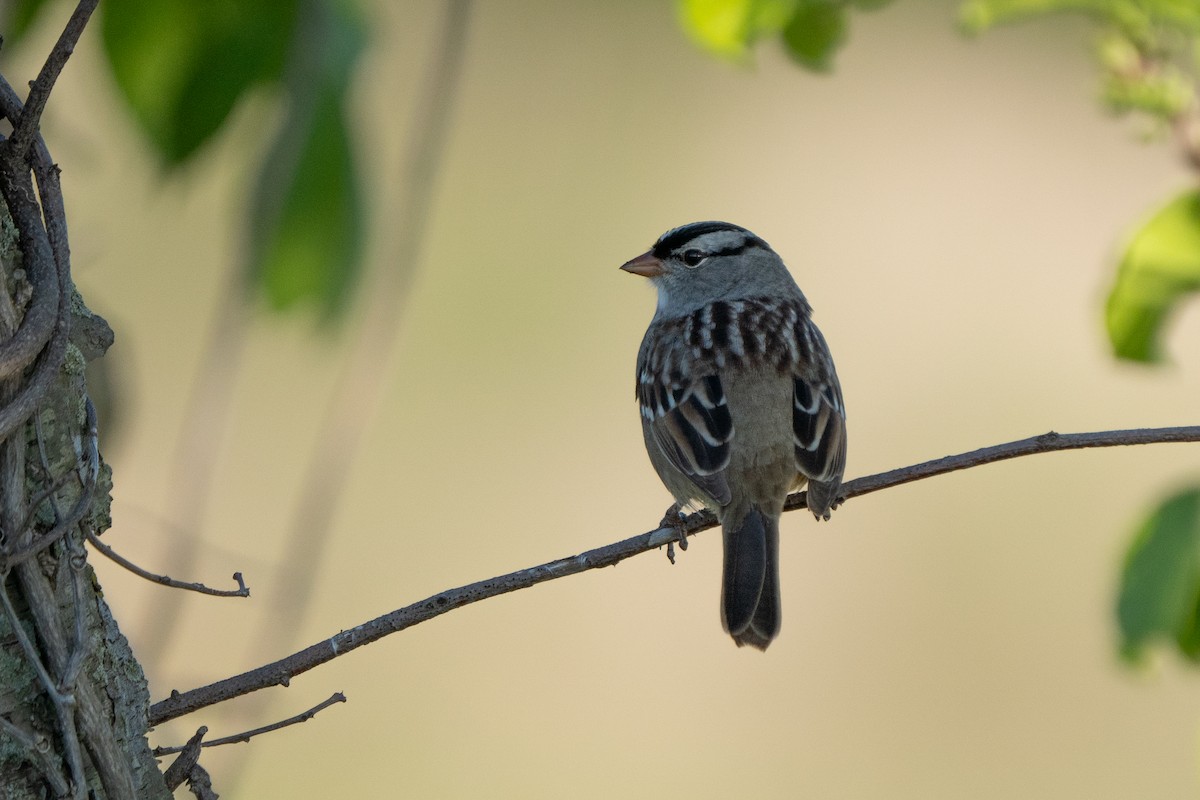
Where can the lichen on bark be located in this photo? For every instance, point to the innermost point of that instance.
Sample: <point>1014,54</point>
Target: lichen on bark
<point>111,688</point>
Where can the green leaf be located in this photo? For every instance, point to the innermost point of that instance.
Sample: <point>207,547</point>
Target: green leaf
<point>729,28</point>
<point>1160,266</point>
<point>1160,583</point>
<point>306,241</point>
<point>811,30</point>
<point>814,33</point>
<point>182,65</point>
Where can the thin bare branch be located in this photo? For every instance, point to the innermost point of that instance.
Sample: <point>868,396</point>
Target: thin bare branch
<point>245,736</point>
<point>241,591</point>
<point>1044,443</point>
<point>280,673</point>
<point>26,126</point>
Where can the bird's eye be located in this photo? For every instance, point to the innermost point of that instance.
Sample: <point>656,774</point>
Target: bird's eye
<point>692,258</point>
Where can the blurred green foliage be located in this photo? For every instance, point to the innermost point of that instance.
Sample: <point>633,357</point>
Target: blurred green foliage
<point>1160,266</point>
<point>184,66</point>
<point>1138,18</point>
<point>1148,53</point>
<point>1160,582</point>
<point>811,30</point>
<point>306,238</point>
<point>19,16</point>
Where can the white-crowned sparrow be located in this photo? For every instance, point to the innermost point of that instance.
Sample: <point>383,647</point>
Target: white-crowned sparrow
<point>740,403</point>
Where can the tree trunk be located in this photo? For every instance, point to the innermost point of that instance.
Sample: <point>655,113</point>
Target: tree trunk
<point>73,699</point>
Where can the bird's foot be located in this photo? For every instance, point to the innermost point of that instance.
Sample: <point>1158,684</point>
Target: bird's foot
<point>676,519</point>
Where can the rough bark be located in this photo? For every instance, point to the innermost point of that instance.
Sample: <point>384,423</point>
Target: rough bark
<point>93,722</point>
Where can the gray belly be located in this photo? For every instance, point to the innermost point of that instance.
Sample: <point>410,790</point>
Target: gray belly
<point>762,455</point>
<point>762,464</point>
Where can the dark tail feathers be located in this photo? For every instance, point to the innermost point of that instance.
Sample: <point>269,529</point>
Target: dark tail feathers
<point>750,590</point>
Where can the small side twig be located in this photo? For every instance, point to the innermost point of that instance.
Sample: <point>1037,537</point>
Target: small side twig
<point>241,591</point>
<point>200,784</point>
<point>280,673</point>
<point>189,757</point>
<point>87,450</point>
<point>245,736</point>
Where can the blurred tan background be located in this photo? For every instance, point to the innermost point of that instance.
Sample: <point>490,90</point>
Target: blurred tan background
<point>950,207</point>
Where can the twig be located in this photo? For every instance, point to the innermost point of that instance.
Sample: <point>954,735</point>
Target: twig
<point>31,653</point>
<point>280,673</point>
<point>17,188</point>
<point>63,701</point>
<point>37,246</point>
<point>200,784</point>
<point>42,496</point>
<point>41,223</point>
<point>181,767</point>
<point>195,457</point>
<point>73,551</point>
<point>245,736</point>
<point>82,503</point>
<point>76,558</point>
<point>25,128</point>
<point>19,349</point>
<point>1044,443</point>
<point>241,591</point>
<point>19,402</point>
<point>39,749</point>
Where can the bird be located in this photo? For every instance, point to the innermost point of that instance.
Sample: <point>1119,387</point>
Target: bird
<point>740,403</point>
